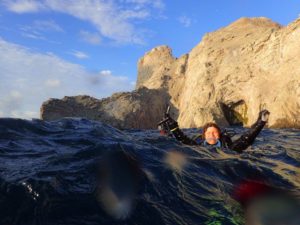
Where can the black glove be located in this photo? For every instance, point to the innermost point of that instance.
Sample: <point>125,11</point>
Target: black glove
<point>168,122</point>
<point>263,115</point>
<point>171,123</point>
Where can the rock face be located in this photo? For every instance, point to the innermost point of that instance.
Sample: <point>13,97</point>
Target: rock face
<point>228,78</point>
<point>137,109</point>
<point>232,74</point>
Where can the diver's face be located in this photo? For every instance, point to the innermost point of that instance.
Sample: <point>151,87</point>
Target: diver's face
<point>212,135</point>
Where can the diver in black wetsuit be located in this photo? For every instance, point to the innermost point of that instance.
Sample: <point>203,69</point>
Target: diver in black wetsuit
<point>213,137</point>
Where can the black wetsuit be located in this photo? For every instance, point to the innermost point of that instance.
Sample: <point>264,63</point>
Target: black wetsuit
<point>225,140</point>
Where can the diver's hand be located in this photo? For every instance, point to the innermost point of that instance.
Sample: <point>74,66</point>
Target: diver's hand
<point>172,124</point>
<point>168,122</point>
<point>264,115</point>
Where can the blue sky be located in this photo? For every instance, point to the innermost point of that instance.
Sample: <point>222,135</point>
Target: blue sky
<point>53,48</point>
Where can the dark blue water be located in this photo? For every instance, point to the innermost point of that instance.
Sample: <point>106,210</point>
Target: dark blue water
<point>76,171</point>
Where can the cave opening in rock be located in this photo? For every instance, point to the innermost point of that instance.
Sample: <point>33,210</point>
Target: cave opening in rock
<point>235,113</point>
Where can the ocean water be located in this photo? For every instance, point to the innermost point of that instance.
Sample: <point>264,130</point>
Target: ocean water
<point>77,171</point>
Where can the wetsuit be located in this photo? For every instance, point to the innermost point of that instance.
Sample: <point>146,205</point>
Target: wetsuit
<point>225,141</point>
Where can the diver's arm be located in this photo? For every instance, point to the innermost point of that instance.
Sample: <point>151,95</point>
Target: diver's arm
<point>248,137</point>
<point>178,134</point>
<point>226,140</point>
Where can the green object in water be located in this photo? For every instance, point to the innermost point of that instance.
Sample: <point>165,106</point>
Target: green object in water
<point>215,218</point>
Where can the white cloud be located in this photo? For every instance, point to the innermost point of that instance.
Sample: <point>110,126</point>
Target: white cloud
<point>25,114</point>
<point>89,37</point>
<point>38,28</point>
<point>105,72</point>
<point>111,19</point>
<point>28,78</point>
<point>106,78</point>
<point>185,21</point>
<point>30,114</point>
<point>35,36</point>
<point>129,14</point>
<point>11,101</point>
<point>46,25</point>
<point>53,83</point>
<point>79,55</point>
<point>155,3</point>
<point>23,6</point>
<point>15,94</point>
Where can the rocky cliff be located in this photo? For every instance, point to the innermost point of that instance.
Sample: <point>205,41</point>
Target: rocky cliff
<point>138,109</point>
<point>228,77</point>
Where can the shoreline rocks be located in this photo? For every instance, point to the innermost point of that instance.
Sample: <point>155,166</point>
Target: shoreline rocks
<point>227,78</point>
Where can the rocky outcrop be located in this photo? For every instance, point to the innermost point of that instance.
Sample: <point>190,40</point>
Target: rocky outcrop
<point>234,73</point>
<point>137,109</point>
<point>228,78</point>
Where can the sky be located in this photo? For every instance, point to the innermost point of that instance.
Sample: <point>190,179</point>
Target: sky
<point>56,48</point>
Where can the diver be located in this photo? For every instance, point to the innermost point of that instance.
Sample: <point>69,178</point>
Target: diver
<point>212,135</point>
